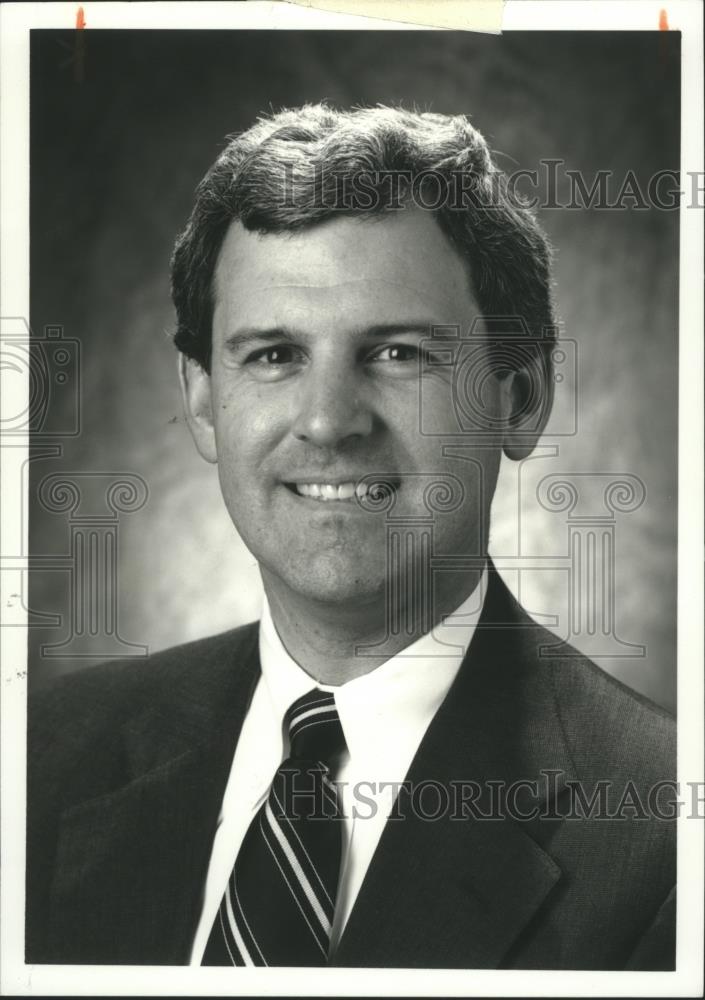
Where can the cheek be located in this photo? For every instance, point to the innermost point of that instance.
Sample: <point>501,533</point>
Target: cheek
<point>254,409</point>
<point>249,422</point>
<point>447,404</point>
<point>466,399</point>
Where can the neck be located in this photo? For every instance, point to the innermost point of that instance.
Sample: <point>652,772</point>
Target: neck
<point>325,639</point>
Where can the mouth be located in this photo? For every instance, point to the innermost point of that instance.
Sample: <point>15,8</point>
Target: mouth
<point>370,489</point>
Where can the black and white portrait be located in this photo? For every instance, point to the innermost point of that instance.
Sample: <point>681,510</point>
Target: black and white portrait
<point>350,500</point>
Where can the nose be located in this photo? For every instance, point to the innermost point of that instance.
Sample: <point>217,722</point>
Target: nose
<point>331,408</point>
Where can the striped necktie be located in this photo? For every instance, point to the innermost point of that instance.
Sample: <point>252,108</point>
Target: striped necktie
<point>278,906</point>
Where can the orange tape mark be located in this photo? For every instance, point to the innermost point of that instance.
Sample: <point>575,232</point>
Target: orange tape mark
<point>663,21</point>
<point>81,19</point>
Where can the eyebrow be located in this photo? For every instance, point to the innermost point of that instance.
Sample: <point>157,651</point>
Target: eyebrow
<point>268,335</point>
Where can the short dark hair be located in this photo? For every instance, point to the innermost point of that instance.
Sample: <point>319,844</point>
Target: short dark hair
<point>289,171</point>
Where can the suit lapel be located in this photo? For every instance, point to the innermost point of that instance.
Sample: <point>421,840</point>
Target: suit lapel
<point>456,891</point>
<point>131,865</point>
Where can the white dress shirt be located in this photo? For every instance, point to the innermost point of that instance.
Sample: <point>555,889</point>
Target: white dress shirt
<point>384,715</point>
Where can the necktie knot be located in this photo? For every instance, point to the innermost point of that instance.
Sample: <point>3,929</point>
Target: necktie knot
<point>314,727</point>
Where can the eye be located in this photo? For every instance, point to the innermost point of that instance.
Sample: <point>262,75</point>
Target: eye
<point>398,353</point>
<point>281,354</point>
<point>274,362</point>
<point>408,360</point>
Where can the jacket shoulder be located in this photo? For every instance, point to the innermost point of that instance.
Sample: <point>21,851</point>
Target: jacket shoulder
<point>75,723</point>
<point>605,724</point>
<point>610,726</point>
<point>610,730</point>
<point>111,683</point>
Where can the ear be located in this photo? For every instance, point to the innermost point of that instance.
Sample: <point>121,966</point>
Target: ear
<point>527,401</point>
<point>198,407</point>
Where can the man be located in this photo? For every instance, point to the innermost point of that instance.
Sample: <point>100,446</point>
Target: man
<point>338,272</point>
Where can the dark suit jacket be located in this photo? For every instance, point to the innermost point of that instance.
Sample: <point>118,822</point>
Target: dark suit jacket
<point>128,764</point>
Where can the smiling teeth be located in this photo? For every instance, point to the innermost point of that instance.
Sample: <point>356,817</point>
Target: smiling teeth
<point>327,491</point>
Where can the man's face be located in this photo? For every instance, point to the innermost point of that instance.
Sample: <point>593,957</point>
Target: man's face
<point>315,383</point>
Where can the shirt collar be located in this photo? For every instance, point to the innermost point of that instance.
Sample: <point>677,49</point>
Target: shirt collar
<point>391,705</point>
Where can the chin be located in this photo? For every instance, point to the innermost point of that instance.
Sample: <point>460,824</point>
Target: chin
<point>328,579</point>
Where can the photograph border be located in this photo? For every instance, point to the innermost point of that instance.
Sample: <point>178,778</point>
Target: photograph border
<point>16,22</point>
